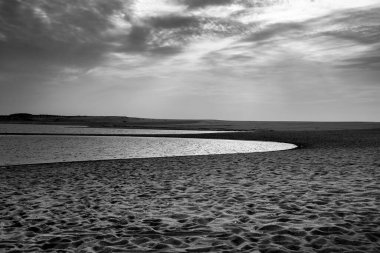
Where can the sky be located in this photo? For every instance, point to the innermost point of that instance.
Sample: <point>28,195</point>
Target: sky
<point>304,60</point>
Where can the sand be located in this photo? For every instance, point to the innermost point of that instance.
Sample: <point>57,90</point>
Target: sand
<point>322,197</point>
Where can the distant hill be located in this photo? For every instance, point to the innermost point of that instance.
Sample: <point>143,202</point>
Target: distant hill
<point>95,121</point>
<point>144,123</point>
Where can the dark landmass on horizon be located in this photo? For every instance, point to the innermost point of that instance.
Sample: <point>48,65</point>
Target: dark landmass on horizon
<point>181,124</point>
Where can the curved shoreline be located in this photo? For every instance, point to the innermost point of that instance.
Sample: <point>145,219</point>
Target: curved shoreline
<point>301,139</point>
<point>191,147</point>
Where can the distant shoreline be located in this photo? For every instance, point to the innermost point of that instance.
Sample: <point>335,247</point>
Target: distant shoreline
<point>179,124</point>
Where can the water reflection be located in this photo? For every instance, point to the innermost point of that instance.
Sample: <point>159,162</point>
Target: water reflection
<point>44,149</point>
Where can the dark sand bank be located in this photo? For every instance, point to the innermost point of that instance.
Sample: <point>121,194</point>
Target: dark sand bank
<point>321,197</point>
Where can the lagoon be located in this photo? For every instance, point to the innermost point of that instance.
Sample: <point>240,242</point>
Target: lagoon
<point>31,149</point>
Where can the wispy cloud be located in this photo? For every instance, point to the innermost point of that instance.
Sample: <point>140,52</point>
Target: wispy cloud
<point>254,43</point>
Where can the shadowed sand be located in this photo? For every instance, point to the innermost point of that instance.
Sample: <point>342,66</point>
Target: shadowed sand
<point>322,197</point>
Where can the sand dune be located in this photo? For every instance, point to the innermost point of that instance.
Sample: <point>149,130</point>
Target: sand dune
<point>323,197</point>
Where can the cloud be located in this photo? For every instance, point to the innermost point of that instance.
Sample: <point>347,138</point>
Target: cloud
<point>204,3</point>
<point>56,32</point>
<point>188,38</point>
<point>358,30</point>
<point>166,50</point>
<point>275,30</point>
<point>370,60</point>
<point>259,42</point>
<point>84,34</point>
<point>173,22</point>
<point>137,38</point>
<point>345,38</point>
<point>360,26</point>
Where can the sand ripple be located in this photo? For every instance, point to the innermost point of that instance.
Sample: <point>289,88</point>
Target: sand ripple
<point>319,200</point>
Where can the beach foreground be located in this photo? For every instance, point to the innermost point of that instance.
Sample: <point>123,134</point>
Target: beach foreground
<point>322,197</point>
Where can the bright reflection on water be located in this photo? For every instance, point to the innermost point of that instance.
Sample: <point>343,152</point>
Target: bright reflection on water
<point>42,149</point>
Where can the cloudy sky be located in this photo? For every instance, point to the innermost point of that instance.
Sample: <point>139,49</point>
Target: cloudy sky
<point>220,59</point>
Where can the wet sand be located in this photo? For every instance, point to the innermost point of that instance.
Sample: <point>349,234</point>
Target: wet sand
<point>323,197</point>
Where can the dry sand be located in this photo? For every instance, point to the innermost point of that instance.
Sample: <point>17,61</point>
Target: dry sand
<point>323,197</point>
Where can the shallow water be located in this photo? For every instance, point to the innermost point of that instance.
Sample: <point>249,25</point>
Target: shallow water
<point>20,149</point>
<point>42,149</point>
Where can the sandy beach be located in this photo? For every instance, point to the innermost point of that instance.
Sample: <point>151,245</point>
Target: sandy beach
<point>322,197</point>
